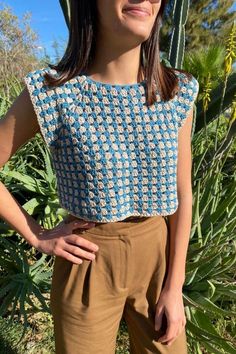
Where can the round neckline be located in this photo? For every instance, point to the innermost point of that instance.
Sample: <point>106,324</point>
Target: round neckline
<point>110,85</point>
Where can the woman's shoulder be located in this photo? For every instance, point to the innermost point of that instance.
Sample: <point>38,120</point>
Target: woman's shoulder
<point>42,70</point>
<point>188,89</point>
<point>186,81</point>
<point>36,76</point>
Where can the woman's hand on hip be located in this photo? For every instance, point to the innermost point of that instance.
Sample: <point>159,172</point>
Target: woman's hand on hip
<point>61,241</point>
<point>170,305</point>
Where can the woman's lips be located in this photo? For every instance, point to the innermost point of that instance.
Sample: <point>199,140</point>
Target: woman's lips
<point>137,12</point>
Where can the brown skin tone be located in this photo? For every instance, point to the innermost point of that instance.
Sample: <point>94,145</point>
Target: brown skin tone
<point>116,61</point>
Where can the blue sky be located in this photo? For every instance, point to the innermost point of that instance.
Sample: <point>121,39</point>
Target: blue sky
<point>47,20</point>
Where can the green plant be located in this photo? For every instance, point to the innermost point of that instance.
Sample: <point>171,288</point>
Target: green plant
<point>40,183</point>
<point>210,285</point>
<point>19,280</point>
<point>213,67</point>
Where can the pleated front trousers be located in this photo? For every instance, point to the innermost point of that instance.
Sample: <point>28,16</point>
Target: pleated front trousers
<point>89,300</point>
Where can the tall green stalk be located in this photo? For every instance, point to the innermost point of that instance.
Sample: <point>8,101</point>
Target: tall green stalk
<point>230,55</point>
<point>177,44</point>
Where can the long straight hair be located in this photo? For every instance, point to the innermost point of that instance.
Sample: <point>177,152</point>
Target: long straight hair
<point>81,48</point>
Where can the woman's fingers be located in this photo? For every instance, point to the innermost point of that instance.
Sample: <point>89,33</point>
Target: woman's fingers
<point>170,341</point>
<point>173,329</point>
<point>170,335</point>
<point>78,252</point>
<point>62,242</point>
<point>81,241</point>
<point>69,257</point>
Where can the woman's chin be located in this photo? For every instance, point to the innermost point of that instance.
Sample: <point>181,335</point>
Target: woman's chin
<point>137,30</point>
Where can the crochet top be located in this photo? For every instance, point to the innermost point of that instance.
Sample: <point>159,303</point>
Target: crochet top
<point>113,156</point>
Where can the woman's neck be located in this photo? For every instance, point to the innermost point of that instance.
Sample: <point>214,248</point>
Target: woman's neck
<point>115,65</point>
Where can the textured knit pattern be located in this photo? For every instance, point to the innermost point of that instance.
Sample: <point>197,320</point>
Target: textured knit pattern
<point>113,155</point>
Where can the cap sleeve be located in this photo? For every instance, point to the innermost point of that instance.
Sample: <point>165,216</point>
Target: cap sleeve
<point>186,97</point>
<point>44,100</point>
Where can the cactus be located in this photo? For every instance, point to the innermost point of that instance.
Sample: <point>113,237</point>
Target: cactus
<point>177,43</point>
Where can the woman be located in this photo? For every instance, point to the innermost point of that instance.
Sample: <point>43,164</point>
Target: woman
<point>118,126</point>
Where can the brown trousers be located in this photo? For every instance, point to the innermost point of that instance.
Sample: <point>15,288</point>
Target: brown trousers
<point>125,280</point>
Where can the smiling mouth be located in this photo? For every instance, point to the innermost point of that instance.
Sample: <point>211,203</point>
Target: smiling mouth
<point>137,12</point>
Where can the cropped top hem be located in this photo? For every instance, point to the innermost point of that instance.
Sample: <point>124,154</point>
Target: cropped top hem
<point>123,217</point>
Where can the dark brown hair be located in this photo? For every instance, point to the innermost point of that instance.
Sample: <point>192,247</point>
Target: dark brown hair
<point>80,52</point>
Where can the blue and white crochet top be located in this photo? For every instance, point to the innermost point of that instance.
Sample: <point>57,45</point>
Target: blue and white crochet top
<point>113,155</point>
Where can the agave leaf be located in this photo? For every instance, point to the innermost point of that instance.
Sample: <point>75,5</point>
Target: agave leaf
<point>225,267</point>
<point>190,277</point>
<point>209,306</point>
<point>41,298</point>
<point>34,268</point>
<point>219,213</point>
<point>204,262</point>
<point>198,162</point>
<point>210,338</point>
<point>227,290</point>
<point>44,277</point>
<point>33,305</point>
<point>211,349</point>
<point>204,322</point>
<point>199,286</point>
<point>31,205</point>
<point>25,264</point>
<point>206,269</point>
<point>6,288</point>
<point>41,173</point>
<point>220,229</point>
<point>22,311</point>
<point>15,303</point>
<point>209,191</point>
<point>6,302</point>
<point>194,250</point>
<point>30,183</point>
<point>47,163</point>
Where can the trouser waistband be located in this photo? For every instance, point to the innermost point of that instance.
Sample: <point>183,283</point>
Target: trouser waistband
<point>135,224</point>
<point>129,227</point>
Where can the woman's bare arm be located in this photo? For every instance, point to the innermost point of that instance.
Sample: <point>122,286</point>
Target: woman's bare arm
<point>180,221</point>
<point>17,127</point>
